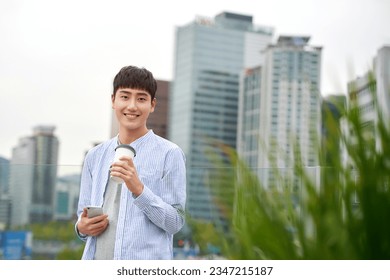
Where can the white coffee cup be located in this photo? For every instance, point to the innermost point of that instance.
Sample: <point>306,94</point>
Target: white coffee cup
<point>120,151</point>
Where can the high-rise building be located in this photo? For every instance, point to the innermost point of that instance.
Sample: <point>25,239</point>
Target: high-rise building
<point>4,175</point>
<point>5,203</point>
<point>33,174</point>
<point>370,93</point>
<point>280,111</point>
<point>370,96</point>
<point>382,77</point>
<point>209,57</point>
<point>5,212</point>
<point>158,120</point>
<point>248,136</point>
<point>67,195</point>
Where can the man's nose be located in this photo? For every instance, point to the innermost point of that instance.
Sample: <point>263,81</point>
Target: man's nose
<point>132,104</point>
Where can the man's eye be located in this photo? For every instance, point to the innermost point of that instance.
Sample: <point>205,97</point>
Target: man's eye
<point>124,96</point>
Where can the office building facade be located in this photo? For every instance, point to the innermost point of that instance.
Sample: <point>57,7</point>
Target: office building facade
<point>4,175</point>
<point>209,57</point>
<point>370,93</point>
<point>248,136</point>
<point>66,198</point>
<point>33,175</point>
<point>280,109</point>
<point>382,77</point>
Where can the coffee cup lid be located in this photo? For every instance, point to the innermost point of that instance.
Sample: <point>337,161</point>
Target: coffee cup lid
<point>126,147</point>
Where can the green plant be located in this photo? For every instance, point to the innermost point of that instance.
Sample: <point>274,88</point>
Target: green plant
<point>345,217</point>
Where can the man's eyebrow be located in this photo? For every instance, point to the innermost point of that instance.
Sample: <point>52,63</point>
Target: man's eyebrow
<point>137,93</point>
<point>124,91</point>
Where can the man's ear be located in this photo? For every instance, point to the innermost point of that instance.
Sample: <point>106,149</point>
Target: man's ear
<point>154,103</point>
<point>112,100</point>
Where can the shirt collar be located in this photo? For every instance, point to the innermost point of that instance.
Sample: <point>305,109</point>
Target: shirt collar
<point>138,142</point>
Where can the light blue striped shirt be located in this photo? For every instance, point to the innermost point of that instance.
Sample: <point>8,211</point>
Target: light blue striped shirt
<point>147,223</point>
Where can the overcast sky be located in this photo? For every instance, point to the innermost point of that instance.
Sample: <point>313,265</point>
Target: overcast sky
<point>58,58</point>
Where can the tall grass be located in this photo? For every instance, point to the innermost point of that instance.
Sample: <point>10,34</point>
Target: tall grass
<point>346,216</point>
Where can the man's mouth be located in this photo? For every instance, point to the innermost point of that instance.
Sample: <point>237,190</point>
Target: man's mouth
<point>131,116</point>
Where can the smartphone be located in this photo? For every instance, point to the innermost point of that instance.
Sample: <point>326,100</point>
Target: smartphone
<point>93,211</point>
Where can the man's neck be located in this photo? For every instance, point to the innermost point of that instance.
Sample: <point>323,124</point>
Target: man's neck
<point>129,137</point>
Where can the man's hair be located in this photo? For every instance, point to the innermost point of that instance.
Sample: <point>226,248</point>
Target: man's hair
<point>136,78</point>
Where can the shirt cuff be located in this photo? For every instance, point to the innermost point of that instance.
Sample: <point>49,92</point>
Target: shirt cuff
<point>145,199</point>
<point>79,234</point>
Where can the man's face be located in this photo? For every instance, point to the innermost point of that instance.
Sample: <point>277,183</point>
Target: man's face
<point>132,108</point>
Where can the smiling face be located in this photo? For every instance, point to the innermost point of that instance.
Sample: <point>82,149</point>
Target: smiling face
<point>132,108</point>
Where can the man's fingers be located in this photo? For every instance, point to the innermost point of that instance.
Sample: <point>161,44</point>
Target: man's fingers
<point>124,161</point>
<point>99,227</point>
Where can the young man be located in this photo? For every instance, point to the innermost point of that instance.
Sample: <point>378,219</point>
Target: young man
<point>142,214</point>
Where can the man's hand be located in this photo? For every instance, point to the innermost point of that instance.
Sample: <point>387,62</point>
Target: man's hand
<point>125,169</point>
<point>92,226</point>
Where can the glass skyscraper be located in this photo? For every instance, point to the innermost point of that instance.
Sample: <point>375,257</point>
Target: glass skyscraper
<point>280,109</point>
<point>33,174</point>
<point>210,57</point>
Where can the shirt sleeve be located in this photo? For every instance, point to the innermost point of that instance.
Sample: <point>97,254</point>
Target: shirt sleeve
<point>85,192</point>
<point>167,211</point>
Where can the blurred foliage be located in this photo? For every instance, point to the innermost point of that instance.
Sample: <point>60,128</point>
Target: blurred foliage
<point>345,216</point>
<point>55,230</point>
<point>204,232</point>
<point>70,253</point>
